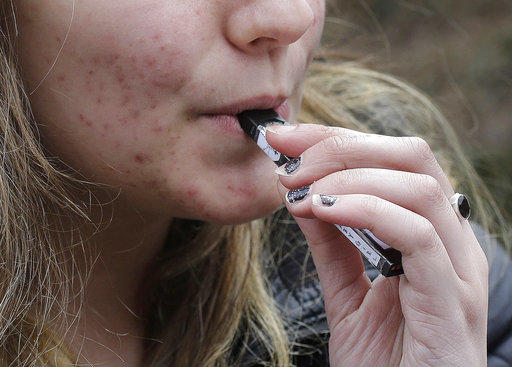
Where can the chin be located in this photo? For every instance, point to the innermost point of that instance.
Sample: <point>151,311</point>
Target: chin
<point>237,212</point>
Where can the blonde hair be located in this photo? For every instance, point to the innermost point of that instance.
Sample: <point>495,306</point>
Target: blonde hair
<point>211,289</point>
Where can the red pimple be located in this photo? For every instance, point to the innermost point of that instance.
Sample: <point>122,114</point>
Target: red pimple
<point>134,114</point>
<point>111,59</point>
<point>125,101</point>
<point>141,158</point>
<point>149,61</point>
<point>162,48</point>
<point>156,37</point>
<point>88,123</point>
<point>240,190</point>
<point>192,191</point>
<point>81,117</point>
<point>106,126</point>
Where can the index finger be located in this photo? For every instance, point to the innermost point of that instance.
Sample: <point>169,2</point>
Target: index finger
<point>304,136</point>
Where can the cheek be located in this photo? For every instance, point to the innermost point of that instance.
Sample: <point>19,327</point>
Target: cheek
<point>112,104</point>
<point>130,80</point>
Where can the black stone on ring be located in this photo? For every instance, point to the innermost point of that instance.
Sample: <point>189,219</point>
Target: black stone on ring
<point>460,204</point>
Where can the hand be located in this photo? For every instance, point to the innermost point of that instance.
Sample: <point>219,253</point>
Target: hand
<point>435,314</point>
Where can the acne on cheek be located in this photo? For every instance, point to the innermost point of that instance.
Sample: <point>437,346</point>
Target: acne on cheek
<point>159,66</point>
<point>125,89</point>
<point>137,76</point>
<point>142,158</point>
<point>241,190</point>
<point>190,198</point>
<point>87,122</point>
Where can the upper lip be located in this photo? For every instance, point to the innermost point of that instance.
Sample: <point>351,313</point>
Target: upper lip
<point>260,102</point>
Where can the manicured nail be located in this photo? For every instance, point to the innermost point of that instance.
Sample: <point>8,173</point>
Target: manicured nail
<point>323,200</point>
<point>279,129</point>
<point>289,167</point>
<point>297,194</point>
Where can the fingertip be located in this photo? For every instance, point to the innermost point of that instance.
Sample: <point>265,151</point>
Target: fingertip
<point>280,129</point>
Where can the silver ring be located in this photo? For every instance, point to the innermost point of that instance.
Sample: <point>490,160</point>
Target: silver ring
<point>460,204</point>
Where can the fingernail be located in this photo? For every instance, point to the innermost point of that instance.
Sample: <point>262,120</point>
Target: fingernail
<point>323,200</point>
<point>289,167</point>
<point>297,194</point>
<point>279,129</point>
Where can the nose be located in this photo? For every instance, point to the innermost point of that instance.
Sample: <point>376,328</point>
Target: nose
<point>260,25</point>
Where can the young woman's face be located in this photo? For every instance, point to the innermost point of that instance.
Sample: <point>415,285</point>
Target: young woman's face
<point>122,96</point>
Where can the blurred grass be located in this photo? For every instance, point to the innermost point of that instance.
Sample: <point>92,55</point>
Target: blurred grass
<point>458,52</point>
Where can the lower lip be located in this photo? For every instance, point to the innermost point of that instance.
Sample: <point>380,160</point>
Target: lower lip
<point>230,124</point>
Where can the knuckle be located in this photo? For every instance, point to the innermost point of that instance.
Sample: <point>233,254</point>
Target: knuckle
<point>428,189</point>
<point>334,145</point>
<point>421,148</point>
<point>372,205</point>
<point>428,236</point>
<point>347,177</point>
<point>337,142</point>
<point>326,130</point>
<point>473,303</point>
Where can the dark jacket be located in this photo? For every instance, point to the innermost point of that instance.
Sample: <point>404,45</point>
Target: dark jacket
<point>301,300</point>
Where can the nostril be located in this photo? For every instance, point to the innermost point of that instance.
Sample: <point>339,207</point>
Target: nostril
<point>260,39</point>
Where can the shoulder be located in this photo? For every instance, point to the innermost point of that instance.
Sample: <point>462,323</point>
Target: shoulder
<point>499,331</point>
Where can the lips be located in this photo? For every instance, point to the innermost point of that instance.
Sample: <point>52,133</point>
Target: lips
<point>262,102</point>
<point>224,117</point>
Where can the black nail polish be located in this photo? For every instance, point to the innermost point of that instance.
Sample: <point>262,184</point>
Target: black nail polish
<point>292,165</point>
<point>297,194</point>
<point>328,200</point>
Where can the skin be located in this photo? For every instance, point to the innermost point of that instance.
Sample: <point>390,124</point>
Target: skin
<point>121,104</point>
<point>433,315</point>
<point>118,98</point>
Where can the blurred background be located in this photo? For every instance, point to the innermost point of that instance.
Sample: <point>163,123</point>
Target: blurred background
<point>458,52</point>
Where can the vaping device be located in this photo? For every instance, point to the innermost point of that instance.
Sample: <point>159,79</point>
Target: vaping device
<point>383,257</point>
